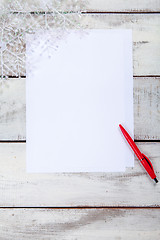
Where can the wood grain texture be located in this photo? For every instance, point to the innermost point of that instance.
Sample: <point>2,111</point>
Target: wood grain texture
<point>77,224</point>
<point>131,188</point>
<point>90,5</point>
<point>123,6</point>
<point>146,39</point>
<point>146,109</point>
<point>12,110</point>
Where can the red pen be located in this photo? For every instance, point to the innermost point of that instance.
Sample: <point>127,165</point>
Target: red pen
<point>143,159</point>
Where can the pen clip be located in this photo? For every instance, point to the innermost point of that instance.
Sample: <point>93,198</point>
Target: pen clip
<point>148,161</point>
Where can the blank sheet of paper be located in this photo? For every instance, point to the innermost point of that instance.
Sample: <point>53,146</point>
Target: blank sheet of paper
<point>76,98</point>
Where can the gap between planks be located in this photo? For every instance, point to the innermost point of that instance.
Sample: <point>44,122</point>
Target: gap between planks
<point>24,141</point>
<point>86,207</point>
<point>88,12</point>
<point>121,12</point>
<point>134,76</point>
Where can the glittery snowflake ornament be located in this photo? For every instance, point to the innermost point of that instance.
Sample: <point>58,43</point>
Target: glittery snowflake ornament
<point>19,17</point>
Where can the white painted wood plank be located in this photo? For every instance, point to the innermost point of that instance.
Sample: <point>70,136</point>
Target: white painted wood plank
<point>123,6</point>
<point>88,5</point>
<point>146,39</point>
<point>132,188</point>
<point>146,109</point>
<point>12,110</point>
<point>77,224</point>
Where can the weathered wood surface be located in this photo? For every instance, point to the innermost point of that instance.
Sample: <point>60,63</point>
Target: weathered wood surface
<point>88,5</point>
<point>12,110</point>
<point>89,224</point>
<point>131,188</point>
<point>146,109</point>
<point>146,39</point>
<point>123,6</point>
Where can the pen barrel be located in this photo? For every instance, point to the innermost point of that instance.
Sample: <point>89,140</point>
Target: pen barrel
<point>131,143</point>
<point>134,148</point>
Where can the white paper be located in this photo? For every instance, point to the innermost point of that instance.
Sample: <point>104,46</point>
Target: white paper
<point>76,100</point>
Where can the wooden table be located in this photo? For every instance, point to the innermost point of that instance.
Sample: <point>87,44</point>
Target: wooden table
<point>88,205</point>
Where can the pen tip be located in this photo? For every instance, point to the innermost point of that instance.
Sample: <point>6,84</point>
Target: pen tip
<point>156,180</point>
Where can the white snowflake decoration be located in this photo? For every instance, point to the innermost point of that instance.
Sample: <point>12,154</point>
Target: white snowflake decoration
<point>19,17</point>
